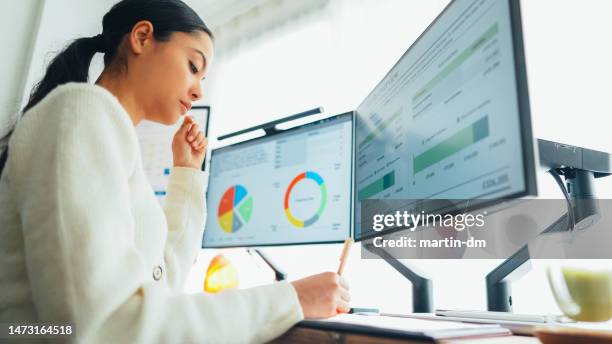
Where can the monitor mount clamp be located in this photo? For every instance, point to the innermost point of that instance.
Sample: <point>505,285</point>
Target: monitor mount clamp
<point>579,168</point>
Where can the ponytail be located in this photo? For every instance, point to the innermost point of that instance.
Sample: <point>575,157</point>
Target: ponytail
<point>72,64</point>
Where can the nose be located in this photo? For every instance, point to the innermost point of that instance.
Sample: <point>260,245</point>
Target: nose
<point>196,91</point>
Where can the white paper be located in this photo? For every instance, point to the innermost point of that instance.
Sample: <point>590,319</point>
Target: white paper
<point>402,324</point>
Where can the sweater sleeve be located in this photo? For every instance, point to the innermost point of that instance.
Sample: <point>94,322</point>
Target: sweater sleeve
<point>71,187</point>
<point>185,209</point>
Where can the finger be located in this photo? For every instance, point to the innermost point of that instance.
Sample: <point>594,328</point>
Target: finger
<point>343,283</point>
<point>203,144</point>
<point>193,132</point>
<point>197,140</point>
<point>345,296</point>
<point>186,126</point>
<point>198,145</point>
<point>343,307</point>
<point>195,127</point>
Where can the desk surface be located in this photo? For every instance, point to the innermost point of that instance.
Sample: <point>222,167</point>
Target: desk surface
<point>308,335</point>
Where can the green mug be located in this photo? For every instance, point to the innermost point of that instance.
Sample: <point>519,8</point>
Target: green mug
<point>583,294</point>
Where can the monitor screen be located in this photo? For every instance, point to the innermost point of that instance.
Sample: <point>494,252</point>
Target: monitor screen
<point>293,187</point>
<point>451,119</point>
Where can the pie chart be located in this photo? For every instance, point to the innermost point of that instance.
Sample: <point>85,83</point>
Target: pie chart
<point>235,209</point>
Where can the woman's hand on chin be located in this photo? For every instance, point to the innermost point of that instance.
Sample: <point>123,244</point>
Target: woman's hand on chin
<point>189,145</point>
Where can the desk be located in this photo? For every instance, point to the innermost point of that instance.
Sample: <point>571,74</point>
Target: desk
<point>302,335</point>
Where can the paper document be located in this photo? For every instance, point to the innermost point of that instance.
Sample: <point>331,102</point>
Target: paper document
<point>379,324</point>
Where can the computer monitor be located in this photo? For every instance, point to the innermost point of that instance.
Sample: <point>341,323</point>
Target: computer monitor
<point>293,187</point>
<point>156,148</point>
<point>451,119</point>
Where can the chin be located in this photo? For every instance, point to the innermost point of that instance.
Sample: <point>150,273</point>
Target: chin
<point>172,120</point>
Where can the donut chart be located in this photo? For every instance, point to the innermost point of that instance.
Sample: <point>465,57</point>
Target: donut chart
<point>323,189</point>
<point>235,209</point>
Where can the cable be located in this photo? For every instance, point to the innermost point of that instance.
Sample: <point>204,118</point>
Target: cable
<point>570,208</point>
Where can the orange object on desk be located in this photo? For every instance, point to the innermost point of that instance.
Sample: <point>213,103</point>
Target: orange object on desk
<point>220,275</point>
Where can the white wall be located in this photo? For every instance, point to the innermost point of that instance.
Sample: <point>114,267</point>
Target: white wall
<point>61,22</point>
<point>569,57</point>
<point>569,65</point>
<point>18,24</point>
<point>33,32</point>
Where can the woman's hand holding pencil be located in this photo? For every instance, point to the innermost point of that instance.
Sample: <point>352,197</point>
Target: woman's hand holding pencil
<point>326,294</point>
<point>323,295</point>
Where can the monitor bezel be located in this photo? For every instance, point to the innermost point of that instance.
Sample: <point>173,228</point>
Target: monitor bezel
<point>324,121</point>
<point>207,108</point>
<point>527,139</point>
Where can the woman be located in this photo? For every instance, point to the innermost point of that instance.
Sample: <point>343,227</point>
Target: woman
<point>83,239</point>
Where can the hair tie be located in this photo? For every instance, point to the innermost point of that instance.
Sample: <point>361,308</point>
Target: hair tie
<point>99,43</point>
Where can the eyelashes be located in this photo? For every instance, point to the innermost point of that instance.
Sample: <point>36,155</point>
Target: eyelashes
<point>194,70</point>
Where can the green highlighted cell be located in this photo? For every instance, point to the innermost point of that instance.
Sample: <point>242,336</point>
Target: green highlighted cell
<point>462,57</point>
<point>462,139</point>
<point>379,185</point>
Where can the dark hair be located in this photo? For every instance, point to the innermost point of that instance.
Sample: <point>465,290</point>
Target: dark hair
<point>72,64</point>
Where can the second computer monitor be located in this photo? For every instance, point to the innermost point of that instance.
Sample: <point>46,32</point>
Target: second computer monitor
<point>451,119</point>
<point>289,188</point>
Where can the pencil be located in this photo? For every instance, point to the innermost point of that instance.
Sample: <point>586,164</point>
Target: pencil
<point>345,252</point>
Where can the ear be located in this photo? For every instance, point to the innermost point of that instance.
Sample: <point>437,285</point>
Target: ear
<point>141,36</point>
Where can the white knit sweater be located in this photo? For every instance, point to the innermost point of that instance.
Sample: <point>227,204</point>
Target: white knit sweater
<point>84,241</point>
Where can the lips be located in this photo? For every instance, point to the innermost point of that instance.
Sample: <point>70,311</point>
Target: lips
<point>187,106</point>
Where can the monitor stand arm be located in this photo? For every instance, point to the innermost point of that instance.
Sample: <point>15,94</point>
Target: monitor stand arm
<point>422,287</point>
<point>279,274</point>
<point>499,295</point>
<point>579,166</point>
